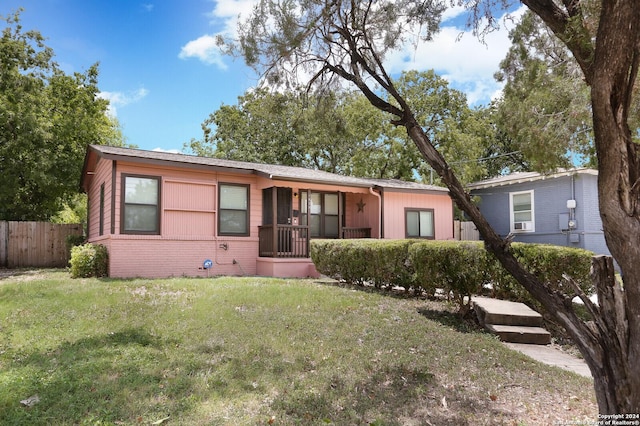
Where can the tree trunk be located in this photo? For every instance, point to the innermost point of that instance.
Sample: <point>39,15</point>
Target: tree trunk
<point>602,343</point>
<point>615,71</point>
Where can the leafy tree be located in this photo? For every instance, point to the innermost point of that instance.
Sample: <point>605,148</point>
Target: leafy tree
<point>325,138</point>
<point>461,134</point>
<point>248,131</point>
<point>47,118</point>
<point>502,153</point>
<point>73,211</point>
<point>336,131</point>
<point>545,107</point>
<point>341,132</point>
<point>348,40</point>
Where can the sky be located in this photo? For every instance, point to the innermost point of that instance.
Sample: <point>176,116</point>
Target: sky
<point>163,76</point>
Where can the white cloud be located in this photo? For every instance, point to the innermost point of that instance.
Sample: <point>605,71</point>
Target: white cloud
<point>225,15</point>
<point>452,13</point>
<point>205,49</point>
<point>454,53</point>
<point>148,6</point>
<point>120,99</point>
<point>459,57</point>
<point>230,9</point>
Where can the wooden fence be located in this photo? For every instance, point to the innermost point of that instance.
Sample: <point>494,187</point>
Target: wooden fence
<point>465,231</point>
<point>35,244</point>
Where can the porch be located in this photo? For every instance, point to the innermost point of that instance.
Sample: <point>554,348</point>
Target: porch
<point>292,216</point>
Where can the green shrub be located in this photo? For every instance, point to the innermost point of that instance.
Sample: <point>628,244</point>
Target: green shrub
<point>323,257</point>
<point>89,260</point>
<point>388,263</point>
<point>460,269</point>
<point>548,263</point>
<point>338,259</point>
<point>380,262</point>
<point>74,240</point>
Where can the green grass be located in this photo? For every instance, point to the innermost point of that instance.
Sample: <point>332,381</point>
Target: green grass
<point>246,351</point>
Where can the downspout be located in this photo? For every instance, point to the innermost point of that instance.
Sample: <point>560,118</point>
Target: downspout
<point>572,212</point>
<point>379,197</point>
<point>114,170</point>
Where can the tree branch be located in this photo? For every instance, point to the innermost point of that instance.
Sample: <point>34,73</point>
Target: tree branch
<point>588,304</point>
<point>568,25</point>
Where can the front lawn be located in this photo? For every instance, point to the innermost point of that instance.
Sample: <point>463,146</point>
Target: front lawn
<point>246,351</point>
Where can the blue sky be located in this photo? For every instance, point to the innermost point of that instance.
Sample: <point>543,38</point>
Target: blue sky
<point>163,77</point>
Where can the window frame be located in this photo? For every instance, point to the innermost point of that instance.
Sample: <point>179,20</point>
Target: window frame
<point>222,233</point>
<point>512,220</point>
<point>123,204</point>
<point>101,212</point>
<point>305,212</point>
<point>419,210</point>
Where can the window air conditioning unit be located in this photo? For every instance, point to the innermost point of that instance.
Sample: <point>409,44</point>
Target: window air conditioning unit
<point>523,226</point>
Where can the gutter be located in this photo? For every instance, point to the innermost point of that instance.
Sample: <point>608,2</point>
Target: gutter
<point>380,217</point>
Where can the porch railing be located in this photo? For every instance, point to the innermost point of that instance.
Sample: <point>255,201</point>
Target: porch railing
<point>284,241</point>
<point>350,233</point>
<point>293,241</point>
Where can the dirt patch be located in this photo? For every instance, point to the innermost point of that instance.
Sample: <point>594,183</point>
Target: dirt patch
<point>143,291</point>
<point>21,274</point>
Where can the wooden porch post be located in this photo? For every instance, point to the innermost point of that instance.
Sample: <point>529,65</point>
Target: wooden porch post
<point>274,221</point>
<point>308,213</point>
<point>340,208</point>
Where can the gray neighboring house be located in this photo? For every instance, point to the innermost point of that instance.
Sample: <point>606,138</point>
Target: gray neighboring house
<point>559,208</point>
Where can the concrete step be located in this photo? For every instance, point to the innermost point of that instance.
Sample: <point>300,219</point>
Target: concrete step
<point>519,334</point>
<point>503,312</point>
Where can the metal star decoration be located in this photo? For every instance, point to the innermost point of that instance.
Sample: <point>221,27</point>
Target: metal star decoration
<point>360,205</point>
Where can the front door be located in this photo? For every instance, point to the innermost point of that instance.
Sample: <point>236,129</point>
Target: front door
<point>284,206</point>
<point>283,213</point>
<point>324,213</point>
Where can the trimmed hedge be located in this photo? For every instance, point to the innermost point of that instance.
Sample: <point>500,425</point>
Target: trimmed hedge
<point>459,268</point>
<point>380,262</point>
<point>89,260</point>
<point>548,263</point>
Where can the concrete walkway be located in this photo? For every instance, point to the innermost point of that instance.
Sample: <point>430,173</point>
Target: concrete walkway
<point>524,333</point>
<point>552,356</point>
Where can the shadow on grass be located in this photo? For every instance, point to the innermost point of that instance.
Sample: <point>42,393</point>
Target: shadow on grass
<point>395,395</point>
<point>454,320</point>
<point>396,292</point>
<point>466,324</point>
<point>95,379</point>
<point>22,273</point>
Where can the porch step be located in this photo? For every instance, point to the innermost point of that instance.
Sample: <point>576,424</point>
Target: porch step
<point>504,312</point>
<point>511,321</point>
<point>518,334</point>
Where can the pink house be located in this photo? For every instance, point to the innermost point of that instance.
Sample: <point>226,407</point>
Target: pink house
<point>162,214</point>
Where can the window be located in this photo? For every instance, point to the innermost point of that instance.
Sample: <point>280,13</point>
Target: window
<point>521,211</point>
<point>324,213</point>
<point>331,218</point>
<point>233,211</point>
<point>140,205</point>
<point>419,223</point>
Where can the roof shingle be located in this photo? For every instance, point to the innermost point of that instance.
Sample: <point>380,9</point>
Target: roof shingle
<point>271,171</point>
<point>521,177</point>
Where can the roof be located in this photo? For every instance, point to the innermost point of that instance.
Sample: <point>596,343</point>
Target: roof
<point>525,177</point>
<point>270,171</point>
